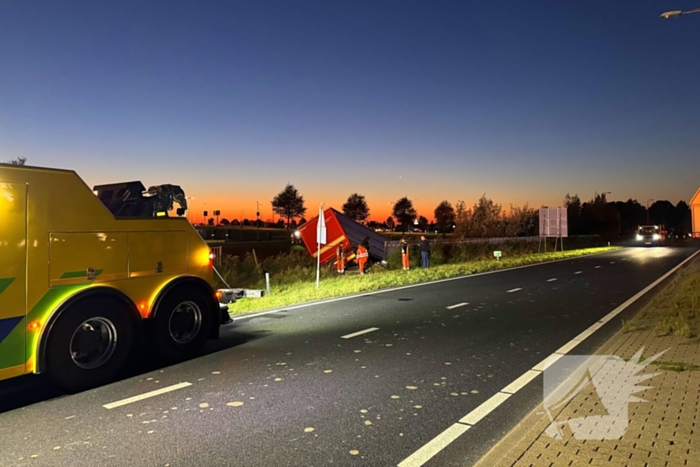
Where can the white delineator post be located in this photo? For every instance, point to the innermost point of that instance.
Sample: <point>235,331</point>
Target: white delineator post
<point>320,240</point>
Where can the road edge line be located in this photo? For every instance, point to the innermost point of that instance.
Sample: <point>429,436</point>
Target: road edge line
<point>479,413</point>
<point>402,287</point>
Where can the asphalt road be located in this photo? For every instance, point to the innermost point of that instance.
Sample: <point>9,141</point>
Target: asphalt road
<point>287,389</point>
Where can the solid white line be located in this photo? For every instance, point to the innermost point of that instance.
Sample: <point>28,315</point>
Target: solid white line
<point>547,362</point>
<point>578,272</point>
<point>552,279</point>
<point>434,446</point>
<point>403,287</point>
<point>254,315</point>
<point>636,297</point>
<point>497,399</point>
<point>521,382</point>
<point>568,347</point>
<point>141,397</point>
<point>588,332</point>
<point>452,307</point>
<point>514,290</point>
<point>359,333</point>
<point>473,417</point>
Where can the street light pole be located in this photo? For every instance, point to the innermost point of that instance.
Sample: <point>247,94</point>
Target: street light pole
<point>676,13</point>
<point>257,219</point>
<point>650,199</point>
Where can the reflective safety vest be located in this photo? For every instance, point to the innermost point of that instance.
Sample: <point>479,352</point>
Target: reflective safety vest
<point>361,252</point>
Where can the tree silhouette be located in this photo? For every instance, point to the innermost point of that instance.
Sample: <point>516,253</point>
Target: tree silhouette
<point>423,223</point>
<point>356,208</point>
<point>404,212</point>
<point>444,215</point>
<point>289,203</point>
<point>389,223</point>
<point>18,161</point>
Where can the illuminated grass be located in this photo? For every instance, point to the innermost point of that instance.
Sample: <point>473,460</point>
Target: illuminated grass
<point>674,310</point>
<point>332,286</point>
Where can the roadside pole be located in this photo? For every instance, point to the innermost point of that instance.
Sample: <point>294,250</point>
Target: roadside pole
<point>320,240</point>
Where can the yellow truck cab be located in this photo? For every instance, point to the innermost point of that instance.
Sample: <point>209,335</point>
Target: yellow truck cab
<point>85,273</point>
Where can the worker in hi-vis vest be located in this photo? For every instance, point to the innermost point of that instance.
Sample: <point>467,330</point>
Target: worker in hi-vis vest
<point>340,259</point>
<point>405,255</point>
<point>361,256</point>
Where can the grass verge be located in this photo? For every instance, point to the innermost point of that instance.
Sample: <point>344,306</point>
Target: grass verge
<point>332,286</point>
<point>676,366</point>
<point>674,310</point>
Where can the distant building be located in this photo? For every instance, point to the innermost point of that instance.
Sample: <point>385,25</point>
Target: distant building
<point>695,211</point>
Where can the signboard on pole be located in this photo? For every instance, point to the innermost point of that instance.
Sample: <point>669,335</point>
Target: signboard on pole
<point>553,222</point>
<point>321,228</point>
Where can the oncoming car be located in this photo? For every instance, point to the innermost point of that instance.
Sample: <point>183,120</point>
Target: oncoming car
<point>649,235</point>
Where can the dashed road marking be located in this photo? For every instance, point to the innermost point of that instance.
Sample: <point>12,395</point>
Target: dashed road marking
<point>473,417</point>
<point>359,333</point>
<point>515,290</point>
<point>434,446</point>
<point>452,307</point>
<point>612,262</point>
<point>578,272</point>
<point>521,382</point>
<point>157,392</point>
<point>440,442</point>
<point>597,267</point>
<point>552,279</point>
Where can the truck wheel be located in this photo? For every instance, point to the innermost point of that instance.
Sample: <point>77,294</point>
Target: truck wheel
<point>182,322</point>
<point>89,344</point>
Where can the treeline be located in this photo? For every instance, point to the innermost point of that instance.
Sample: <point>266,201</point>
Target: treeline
<point>599,216</point>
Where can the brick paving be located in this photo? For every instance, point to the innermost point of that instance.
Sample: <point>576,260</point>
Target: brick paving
<point>665,431</point>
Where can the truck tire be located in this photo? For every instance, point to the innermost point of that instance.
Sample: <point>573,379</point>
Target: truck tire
<point>182,322</point>
<point>89,344</point>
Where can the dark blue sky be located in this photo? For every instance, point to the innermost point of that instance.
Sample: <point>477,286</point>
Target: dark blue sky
<point>523,101</point>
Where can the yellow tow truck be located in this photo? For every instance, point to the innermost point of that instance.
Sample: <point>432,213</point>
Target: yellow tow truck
<point>87,273</point>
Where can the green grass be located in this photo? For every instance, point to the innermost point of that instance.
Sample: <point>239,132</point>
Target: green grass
<point>295,283</point>
<point>674,310</point>
<point>676,366</point>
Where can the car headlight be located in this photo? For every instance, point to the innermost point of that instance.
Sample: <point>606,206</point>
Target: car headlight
<point>656,236</point>
<point>639,238</point>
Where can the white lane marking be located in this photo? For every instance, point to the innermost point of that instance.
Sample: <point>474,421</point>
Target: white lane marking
<point>547,362</point>
<point>588,332</point>
<point>639,294</point>
<point>578,272</point>
<point>434,446</point>
<point>359,333</point>
<point>612,262</point>
<point>394,289</point>
<point>597,267</point>
<point>146,395</point>
<point>521,382</point>
<point>255,315</point>
<point>452,307</point>
<point>514,290</point>
<point>552,279</point>
<point>568,347</point>
<point>473,417</point>
<point>540,367</point>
